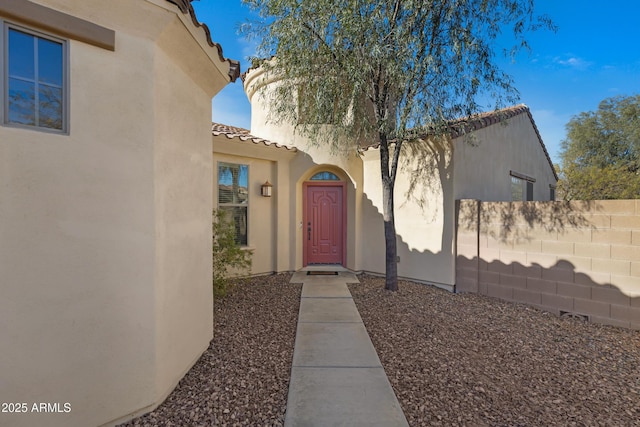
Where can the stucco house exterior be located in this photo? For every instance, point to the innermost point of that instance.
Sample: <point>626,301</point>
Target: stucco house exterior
<point>105,232</point>
<point>325,208</point>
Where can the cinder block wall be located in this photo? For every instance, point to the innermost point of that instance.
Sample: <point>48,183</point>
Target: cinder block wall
<point>564,257</point>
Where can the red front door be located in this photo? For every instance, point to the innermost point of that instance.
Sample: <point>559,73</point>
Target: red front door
<point>324,223</point>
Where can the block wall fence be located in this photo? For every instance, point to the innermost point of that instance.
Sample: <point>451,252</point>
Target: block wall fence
<point>569,258</point>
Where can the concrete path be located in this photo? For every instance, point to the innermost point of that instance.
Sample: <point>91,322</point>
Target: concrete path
<point>336,377</point>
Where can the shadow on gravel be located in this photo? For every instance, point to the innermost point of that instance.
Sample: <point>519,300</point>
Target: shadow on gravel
<point>464,359</point>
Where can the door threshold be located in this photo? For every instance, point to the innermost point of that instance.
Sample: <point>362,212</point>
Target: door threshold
<point>324,267</point>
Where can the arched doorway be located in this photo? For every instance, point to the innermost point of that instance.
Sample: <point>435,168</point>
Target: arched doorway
<point>324,220</point>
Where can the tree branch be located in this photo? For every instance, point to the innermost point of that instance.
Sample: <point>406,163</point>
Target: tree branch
<point>322,41</point>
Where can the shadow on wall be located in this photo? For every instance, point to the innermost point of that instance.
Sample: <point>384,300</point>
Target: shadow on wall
<point>559,289</point>
<point>510,217</point>
<point>426,266</point>
<point>570,258</point>
<point>424,215</point>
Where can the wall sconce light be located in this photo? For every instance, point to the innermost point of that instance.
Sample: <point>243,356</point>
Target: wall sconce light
<point>265,189</point>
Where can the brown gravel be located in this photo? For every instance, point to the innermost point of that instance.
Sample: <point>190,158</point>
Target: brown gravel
<point>453,360</point>
<point>469,360</point>
<point>243,378</point>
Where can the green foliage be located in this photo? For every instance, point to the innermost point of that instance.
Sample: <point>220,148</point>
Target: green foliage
<point>228,258</point>
<point>388,66</point>
<point>598,183</point>
<point>384,72</point>
<point>601,155</point>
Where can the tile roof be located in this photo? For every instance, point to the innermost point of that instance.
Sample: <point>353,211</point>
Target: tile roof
<point>483,120</point>
<point>186,8</point>
<point>241,134</point>
<point>471,124</point>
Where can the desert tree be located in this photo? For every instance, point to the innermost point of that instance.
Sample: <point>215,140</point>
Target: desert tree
<point>385,72</point>
<point>601,153</point>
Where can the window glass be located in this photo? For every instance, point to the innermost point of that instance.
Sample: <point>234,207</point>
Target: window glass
<point>34,81</point>
<point>325,176</point>
<point>50,62</point>
<point>21,55</point>
<point>50,107</point>
<point>238,217</point>
<point>516,189</point>
<point>22,102</point>
<point>529,191</point>
<point>233,196</point>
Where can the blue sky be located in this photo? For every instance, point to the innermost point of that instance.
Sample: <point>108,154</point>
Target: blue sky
<point>595,54</point>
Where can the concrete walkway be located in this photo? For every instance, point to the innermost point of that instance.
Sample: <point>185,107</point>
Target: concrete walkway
<point>336,377</point>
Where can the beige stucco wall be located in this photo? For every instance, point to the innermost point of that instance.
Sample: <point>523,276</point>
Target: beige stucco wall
<point>477,167</point>
<point>183,171</point>
<point>261,122</point>
<point>424,233</point>
<point>303,167</point>
<point>262,227</point>
<point>274,224</point>
<point>105,233</point>
<point>309,160</point>
<point>492,153</point>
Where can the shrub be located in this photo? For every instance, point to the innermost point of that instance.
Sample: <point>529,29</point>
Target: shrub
<point>228,258</point>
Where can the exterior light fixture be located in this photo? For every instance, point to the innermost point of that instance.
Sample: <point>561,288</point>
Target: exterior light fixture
<point>265,189</point>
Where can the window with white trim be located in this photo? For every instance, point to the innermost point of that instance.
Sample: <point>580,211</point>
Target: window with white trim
<point>34,79</point>
<point>233,197</point>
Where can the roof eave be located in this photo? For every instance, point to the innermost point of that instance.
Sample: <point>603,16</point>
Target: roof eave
<point>187,9</point>
<point>243,135</point>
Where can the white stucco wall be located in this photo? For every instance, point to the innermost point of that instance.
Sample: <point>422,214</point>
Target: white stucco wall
<point>105,233</point>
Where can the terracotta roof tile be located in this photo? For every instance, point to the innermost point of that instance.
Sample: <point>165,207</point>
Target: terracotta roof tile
<point>483,120</point>
<point>472,124</point>
<point>186,8</point>
<point>241,134</point>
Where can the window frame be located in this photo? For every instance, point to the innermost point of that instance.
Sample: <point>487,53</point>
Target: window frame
<point>517,184</point>
<point>332,176</point>
<point>5,27</point>
<point>235,205</point>
<point>526,183</point>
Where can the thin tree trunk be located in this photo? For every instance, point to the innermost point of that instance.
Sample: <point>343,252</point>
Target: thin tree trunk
<point>388,181</point>
<point>391,249</point>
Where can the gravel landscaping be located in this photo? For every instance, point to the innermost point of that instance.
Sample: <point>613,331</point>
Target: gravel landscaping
<point>243,377</point>
<point>453,360</point>
<point>469,360</point>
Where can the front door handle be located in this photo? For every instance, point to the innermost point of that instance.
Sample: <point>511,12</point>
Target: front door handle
<point>308,231</point>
